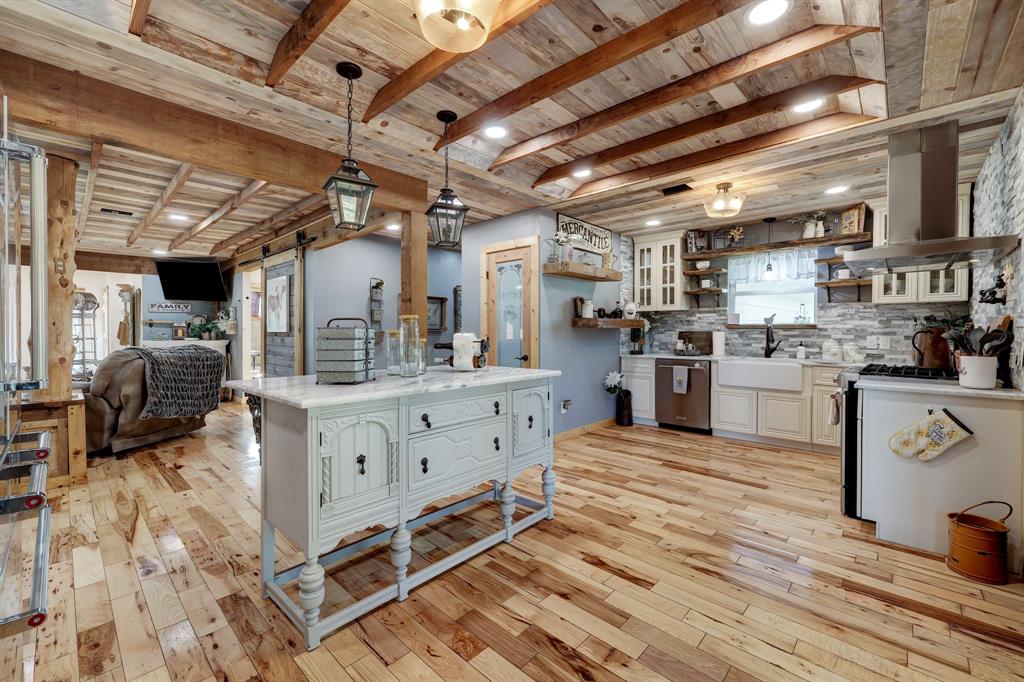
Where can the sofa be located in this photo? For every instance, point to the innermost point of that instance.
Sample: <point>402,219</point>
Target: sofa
<point>114,399</point>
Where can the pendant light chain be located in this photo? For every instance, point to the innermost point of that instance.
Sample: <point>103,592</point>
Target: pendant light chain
<point>445,154</point>
<point>348,152</point>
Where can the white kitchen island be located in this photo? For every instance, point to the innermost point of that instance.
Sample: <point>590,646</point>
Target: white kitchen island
<point>338,459</point>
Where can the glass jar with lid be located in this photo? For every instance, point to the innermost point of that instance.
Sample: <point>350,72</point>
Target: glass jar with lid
<point>409,331</point>
<point>423,355</point>
<point>393,352</point>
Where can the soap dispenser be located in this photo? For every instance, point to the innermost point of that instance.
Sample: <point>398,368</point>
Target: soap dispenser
<point>801,351</point>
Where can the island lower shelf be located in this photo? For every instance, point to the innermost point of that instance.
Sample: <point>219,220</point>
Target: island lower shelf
<point>333,470</point>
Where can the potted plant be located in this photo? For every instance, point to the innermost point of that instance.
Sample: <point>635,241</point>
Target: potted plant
<point>813,222</point>
<point>376,289</point>
<point>931,348</point>
<point>623,399</point>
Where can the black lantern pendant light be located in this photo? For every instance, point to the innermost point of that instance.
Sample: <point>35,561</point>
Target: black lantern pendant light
<point>447,214</point>
<point>350,189</point>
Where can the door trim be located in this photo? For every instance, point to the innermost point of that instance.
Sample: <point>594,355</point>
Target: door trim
<point>532,271</point>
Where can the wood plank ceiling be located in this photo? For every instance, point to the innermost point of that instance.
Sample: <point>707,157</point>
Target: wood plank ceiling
<point>618,86</point>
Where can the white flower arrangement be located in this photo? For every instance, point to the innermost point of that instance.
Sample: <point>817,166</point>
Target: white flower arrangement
<point>613,384</point>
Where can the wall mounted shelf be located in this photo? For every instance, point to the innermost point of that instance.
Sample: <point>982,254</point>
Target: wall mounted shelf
<point>706,271</point>
<point>843,284</point>
<point>606,323</point>
<point>583,271</point>
<point>857,238</point>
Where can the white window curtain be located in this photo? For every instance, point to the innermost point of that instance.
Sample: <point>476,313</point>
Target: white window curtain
<point>786,290</point>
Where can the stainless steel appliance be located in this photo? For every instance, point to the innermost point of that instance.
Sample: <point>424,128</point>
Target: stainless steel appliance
<point>691,409</point>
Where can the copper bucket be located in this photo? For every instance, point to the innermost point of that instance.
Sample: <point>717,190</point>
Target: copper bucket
<point>977,545</point>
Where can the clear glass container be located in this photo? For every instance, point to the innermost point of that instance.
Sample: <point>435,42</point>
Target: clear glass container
<point>423,356</point>
<point>409,332</point>
<point>393,352</point>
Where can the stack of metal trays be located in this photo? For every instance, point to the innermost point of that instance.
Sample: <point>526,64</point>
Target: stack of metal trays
<point>345,355</point>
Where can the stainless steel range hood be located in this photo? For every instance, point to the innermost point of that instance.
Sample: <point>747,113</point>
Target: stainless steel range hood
<point>923,210</point>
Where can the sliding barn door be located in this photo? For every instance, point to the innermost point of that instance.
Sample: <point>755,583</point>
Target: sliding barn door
<point>282,314</point>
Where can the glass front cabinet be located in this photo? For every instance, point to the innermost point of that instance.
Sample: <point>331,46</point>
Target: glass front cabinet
<point>658,272</point>
<point>941,286</point>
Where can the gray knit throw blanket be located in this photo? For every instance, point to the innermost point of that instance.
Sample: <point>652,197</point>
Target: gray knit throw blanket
<point>181,382</point>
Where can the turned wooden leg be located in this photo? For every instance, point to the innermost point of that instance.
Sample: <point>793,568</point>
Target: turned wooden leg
<point>311,596</point>
<point>401,554</point>
<point>548,487</point>
<point>508,507</point>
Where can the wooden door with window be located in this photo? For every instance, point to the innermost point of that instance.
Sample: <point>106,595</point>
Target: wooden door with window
<point>510,302</point>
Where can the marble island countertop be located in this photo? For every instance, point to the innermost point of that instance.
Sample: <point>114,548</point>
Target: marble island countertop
<point>933,387</point>
<point>303,392</point>
<point>719,358</point>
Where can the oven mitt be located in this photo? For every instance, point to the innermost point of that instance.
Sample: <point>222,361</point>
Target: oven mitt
<point>929,437</point>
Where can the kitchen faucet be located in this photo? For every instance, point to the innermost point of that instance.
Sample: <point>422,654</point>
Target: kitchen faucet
<point>769,337</point>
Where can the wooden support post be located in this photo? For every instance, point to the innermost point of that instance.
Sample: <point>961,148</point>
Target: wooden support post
<point>62,223</point>
<point>414,267</point>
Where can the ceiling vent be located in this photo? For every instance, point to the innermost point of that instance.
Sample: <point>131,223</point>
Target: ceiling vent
<point>675,189</point>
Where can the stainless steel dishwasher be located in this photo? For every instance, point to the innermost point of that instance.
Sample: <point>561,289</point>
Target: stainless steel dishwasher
<point>691,409</point>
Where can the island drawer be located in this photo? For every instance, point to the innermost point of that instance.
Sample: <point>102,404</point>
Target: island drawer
<point>434,416</point>
<point>826,376</point>
<point>450,459</point>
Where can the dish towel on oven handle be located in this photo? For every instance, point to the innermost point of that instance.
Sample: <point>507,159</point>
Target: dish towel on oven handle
<point>930,436</point>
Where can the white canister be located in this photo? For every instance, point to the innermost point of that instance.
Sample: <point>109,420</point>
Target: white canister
<point>976,371</point>
<point>588,308</point>
<point>718,344</point>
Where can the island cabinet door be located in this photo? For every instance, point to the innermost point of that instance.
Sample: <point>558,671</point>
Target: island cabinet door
<point>531,419</point>
<point>357,457</point>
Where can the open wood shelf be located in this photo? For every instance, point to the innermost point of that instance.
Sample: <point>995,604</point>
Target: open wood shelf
<point>708,271</point>
<point>703,290</point>
<point>590,273</point>
<point>840,283</point>
<point>834,260</point>
<point>606,323</point>
<point>858,238</point>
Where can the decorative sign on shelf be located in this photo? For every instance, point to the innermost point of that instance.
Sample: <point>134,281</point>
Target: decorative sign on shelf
<point>584,235</point>
<point>168,307</point>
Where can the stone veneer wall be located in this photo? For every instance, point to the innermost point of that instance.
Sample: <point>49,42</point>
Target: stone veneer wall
<point>999,209</point>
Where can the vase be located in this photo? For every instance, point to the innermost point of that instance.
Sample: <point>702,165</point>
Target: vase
<point>624,409</point>
<point>808,230</point>
<point>205,336</point>
<point>819,229</point>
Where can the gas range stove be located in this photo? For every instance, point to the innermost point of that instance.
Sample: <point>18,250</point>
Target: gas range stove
<point>877,371</point>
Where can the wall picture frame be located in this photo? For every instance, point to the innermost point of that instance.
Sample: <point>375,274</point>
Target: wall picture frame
<point>437,314</point>
<point>278,306</point>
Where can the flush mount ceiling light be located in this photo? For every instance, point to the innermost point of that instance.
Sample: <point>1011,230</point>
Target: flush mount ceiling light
<point>654,222</point>
<point>180,217</point>
<point>725,203</point>
<point>804,107</point>
<point>394,227</point>
<point>350,189</point>
<point>447,214</point>
<point>159,252</point>
<point>456,25</point>
<point>838,189</point>
<point>582,173</point>
<point>495,132</point>
<point>767,11</point>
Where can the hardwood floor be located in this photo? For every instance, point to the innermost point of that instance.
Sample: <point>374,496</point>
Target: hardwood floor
<point>672,556</point>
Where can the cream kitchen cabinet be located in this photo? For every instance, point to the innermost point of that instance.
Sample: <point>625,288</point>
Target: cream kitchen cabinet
<point>823,431</point>
<point>784,414</point>
<point>942,286</point>
<point>734,409</point>
<point>638,379</point>
<point>658,272</point>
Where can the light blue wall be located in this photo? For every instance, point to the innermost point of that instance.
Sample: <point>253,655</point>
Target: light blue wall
<point>584,356</point>
<point>152,292</point>
<point>338,284</point>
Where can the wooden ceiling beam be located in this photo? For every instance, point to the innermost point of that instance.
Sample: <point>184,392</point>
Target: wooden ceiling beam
<point>299,208</point>
<point>52,98</point>
<point>229,206</point>
<point>794,133</point>
<point>90,186</point>
<point>774,103</point>
<point>177,182</point>
<point>509,15</point>
<point>683,19</point>
<point>137,18</point>
<point>313,21</point>
<point>779,52</point>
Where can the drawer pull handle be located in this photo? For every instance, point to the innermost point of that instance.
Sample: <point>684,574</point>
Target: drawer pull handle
<point>529,421</point>
<point>497,407</point>
<point>423,463</point>
<point>361,461</point>
<point>497,444</point>
<point>425,418</point>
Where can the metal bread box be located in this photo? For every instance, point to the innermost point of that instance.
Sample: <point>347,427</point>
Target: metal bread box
<point>345,355</point>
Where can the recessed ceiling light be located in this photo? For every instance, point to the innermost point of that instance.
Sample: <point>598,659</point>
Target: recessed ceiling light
<point>159,252</point>
<point>495,132</point>
<point>838,189</point>
<point>394,227</point>
<point>581,173</point>
<point>767,11</point>
<point>654,222</point>
<point>804,107</point>
<point>178,216</point>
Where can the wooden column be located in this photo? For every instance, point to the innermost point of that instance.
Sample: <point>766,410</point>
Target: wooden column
<point>414,267</point>
<point>62,221</point>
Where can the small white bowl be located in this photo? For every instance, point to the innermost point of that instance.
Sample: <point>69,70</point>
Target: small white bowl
<point>703,264</point>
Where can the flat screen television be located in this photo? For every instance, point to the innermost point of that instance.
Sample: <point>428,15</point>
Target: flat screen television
<point>185,280</point>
